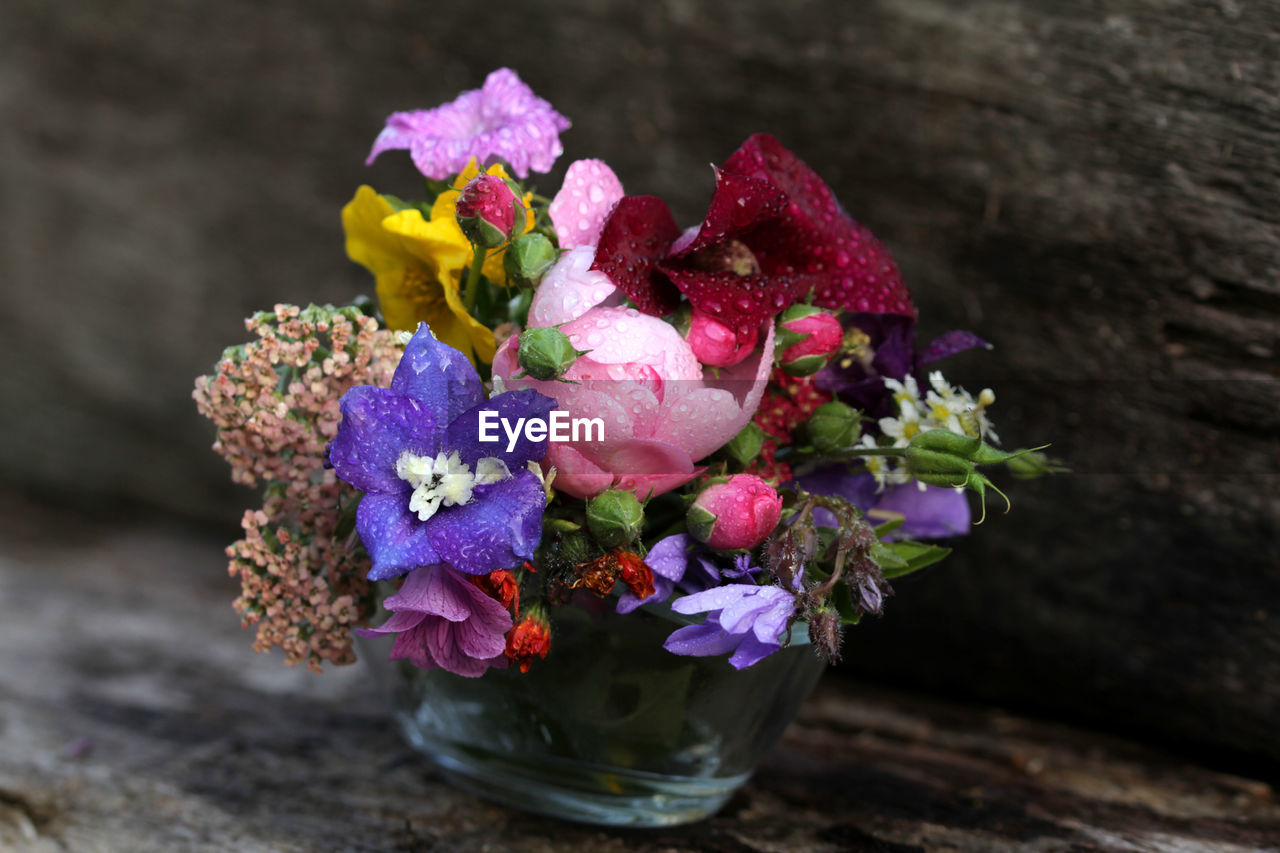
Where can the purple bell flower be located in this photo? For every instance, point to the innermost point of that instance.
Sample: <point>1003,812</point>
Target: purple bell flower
<point>747,620</point>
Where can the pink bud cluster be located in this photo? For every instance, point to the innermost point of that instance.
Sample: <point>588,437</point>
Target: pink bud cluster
<point>275,404</point>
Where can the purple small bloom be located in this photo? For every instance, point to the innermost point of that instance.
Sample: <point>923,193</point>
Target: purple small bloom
<point>435,493</point>
<point>744,619</point>
<point>502,120</point>
<point>933,513</point>
<point>442,620</point>
<point>677,560</point>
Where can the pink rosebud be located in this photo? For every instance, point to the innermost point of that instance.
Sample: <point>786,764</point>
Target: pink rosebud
<point>714,344</point>
<point>807,337</point>
<point>740,513</point>
<point>490,211</point>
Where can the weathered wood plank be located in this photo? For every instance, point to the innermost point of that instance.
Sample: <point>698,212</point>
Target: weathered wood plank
<point>134,717</point>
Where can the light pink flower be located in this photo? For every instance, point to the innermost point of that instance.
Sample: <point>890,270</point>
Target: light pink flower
<point>660,413</point>
<point>584,202</point>
<point>740,513</point>
<point>570,289</point>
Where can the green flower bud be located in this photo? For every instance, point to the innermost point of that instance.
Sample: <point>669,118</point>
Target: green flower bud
<point>834,426</point>
<point>744,447</point>
<point>614,517</point>
<point>528,258</point>
<point>546,353</point>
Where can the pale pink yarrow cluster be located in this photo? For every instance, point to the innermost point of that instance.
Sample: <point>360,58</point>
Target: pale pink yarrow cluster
<point>275,404</point>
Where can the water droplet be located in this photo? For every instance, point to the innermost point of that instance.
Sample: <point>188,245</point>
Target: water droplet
<point>584,208</point>
<point>595,193</point>
<point>842,259</point>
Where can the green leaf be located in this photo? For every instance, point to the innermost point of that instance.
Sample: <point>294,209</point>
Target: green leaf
<point>888,527</point>
<point>907,557</point>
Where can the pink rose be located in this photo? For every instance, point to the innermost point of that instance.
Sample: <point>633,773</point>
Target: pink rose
<point>640,378</point>
<point>740,513</point>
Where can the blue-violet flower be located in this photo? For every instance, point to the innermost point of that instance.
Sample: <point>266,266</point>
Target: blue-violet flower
<point>434,493</point>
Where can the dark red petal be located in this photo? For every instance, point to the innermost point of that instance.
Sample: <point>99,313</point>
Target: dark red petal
<point>635,237</point>
<point>814,236</point>
<point>740,204</point>
<point>740,302</point>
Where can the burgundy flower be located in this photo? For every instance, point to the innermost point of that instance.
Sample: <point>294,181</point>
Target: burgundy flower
<point>772,234</point>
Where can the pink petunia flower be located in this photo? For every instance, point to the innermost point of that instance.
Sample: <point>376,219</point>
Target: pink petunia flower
<point>503,119</point>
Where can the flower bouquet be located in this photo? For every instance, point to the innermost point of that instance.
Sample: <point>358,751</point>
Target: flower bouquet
<point>607,489</point>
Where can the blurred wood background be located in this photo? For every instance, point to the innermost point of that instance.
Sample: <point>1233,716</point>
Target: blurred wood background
<point>1092,186</point>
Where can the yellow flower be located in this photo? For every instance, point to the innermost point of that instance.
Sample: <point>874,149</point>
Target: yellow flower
<point>419,264</point>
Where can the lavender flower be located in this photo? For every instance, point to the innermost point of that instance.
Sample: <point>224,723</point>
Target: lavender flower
<point>440,619</point>
<point>931,513</point>
<point>433,492</point>
<point>503,119</point>
<point>745,619</point>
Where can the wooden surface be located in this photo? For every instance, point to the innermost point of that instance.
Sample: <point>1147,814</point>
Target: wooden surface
<point>135,718</point>
<point>1093,186</point>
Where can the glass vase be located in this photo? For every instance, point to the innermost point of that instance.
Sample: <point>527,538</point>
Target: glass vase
<point>610,728</point>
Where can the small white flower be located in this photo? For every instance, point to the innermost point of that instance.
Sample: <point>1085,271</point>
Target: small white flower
<point>445,479</point>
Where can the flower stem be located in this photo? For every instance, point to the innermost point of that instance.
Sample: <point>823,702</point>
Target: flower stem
<point>874,451</point>
<point>472,288</point>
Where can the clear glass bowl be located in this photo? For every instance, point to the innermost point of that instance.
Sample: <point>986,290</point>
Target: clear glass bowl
<point>610,728</point>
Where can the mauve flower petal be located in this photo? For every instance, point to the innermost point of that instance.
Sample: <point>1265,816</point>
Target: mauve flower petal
<point>484,639</point>
<point>499,529</point>
<point>949,344</point>
<point>399,622</point>
<point>584,202</point>
<point>437,376</point>
<point>751,651</point>
<point>377,426</point>
<point>700,641</point>
<point>396,540</point>
<point>463,435</point>
<point>412,645</point>
<point>570,289</point>
<point>430,589</point>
